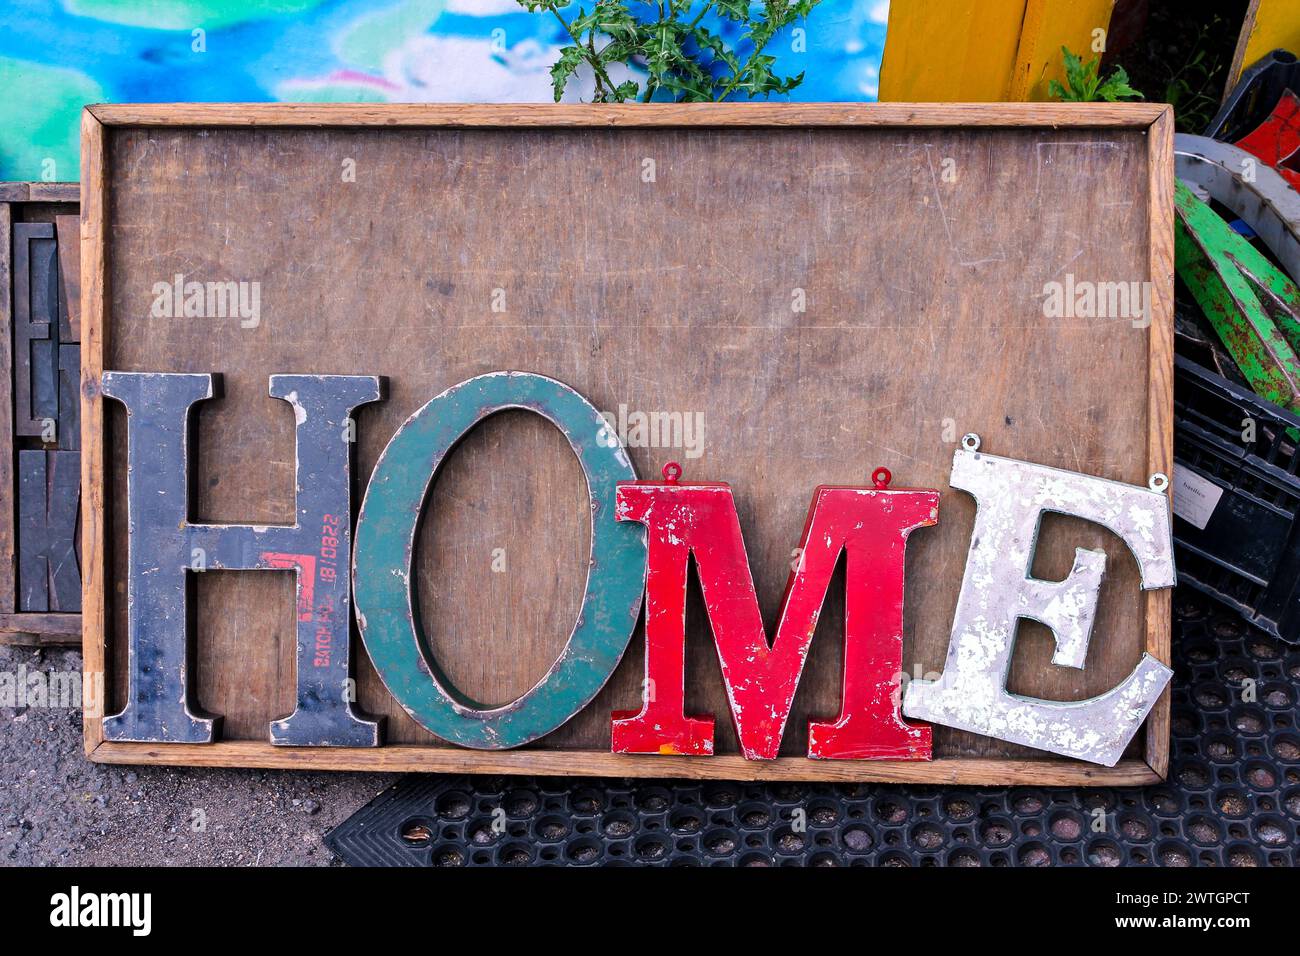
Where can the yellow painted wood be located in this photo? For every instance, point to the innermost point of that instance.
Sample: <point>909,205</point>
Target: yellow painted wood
<point>970,51</point>
<point>1048,25</point>
<point>953,52</point>
<point>1269,25</point>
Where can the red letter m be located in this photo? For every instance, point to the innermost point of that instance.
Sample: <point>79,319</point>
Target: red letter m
<point>871,525</point>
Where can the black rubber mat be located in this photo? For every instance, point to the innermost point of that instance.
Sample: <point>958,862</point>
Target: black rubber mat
<point>1232,798</point>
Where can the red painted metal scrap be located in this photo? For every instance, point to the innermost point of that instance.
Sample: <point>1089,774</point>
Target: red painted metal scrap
<point>870,524</point>
<point>1276,141</point>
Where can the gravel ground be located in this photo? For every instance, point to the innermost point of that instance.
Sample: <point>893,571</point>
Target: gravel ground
<point>59,808</point>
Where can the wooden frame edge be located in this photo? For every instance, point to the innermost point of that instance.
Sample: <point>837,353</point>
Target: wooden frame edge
<point>54,192</point>
<point>94,278</point>
<point>1155,119</point>
<point>628,115</point>
<point>965,771</point>
<point>52,624</point>
<point>1160,400</point>
<point>28,191</point>
<point>15,637</point>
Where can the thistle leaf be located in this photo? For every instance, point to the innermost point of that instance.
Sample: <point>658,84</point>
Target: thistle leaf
<point>565,66</point>
<point>669,40</point>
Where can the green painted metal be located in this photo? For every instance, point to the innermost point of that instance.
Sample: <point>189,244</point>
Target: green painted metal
<point>385,547</point>
<point>1253,306</point>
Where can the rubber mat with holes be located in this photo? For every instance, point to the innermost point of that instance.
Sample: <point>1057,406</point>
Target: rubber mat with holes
<point>1232,798</point>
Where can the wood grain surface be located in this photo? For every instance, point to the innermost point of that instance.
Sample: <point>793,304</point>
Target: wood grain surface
<point>924,320</point>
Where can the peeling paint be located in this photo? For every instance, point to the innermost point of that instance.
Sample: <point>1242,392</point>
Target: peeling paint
<point>163,543</point>
<point>997,590</point>
<point>761,679</point>
<point>386,532</point>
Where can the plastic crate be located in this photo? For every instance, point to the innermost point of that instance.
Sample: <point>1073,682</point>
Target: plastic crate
<point>1236,500</point>
<point>1255,95</point>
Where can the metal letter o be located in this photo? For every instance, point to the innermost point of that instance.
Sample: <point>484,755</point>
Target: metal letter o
<point>384,556</point>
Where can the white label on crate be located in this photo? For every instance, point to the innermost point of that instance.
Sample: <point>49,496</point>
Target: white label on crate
<point>1194,497</point>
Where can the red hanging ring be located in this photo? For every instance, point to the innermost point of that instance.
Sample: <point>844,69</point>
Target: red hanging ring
<point>881,477</point>
<point>672,471</point>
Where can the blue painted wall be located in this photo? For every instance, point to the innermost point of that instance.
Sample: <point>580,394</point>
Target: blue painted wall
<point>57,55</point>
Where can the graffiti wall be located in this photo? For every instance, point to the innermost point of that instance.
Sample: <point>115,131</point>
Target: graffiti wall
<point>57,55</point>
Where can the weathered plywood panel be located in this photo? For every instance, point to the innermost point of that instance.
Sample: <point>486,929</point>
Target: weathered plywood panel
<point>924,320</point>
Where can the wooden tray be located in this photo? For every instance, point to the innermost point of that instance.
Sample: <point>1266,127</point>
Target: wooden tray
<point>924,320</point>
<point>23,204</point>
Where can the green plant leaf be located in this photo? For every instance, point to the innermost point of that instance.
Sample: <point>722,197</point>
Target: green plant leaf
<point>665,39</point>
<point>1116,87</point>
<point>691,91</point>
<point>716,46</point>
<point>610,17</point>
<point>570,58</point>
<point>626,91</point>
<point>1083,85</point>
<point>662,48</point>
<point>737,10</point>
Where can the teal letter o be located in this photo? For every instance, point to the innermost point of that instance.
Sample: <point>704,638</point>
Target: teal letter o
<point>383,560</point>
